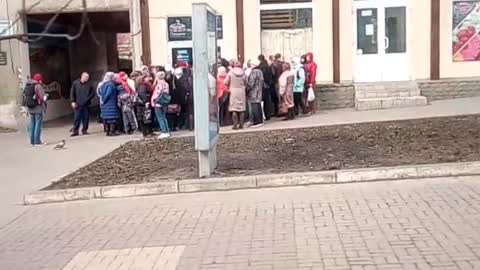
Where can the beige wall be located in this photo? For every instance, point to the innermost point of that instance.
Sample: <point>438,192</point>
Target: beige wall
<point>161,10</point>
<point>418,31</point>
<point>346,41</point>
<point>322,35</point>
<point>448,68</point>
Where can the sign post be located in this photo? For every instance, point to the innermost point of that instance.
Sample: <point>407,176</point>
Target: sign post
<point>204,84</point>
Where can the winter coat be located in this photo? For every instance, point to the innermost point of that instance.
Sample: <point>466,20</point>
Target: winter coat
<point>109,108</point>
<point>255,86</point>
<point>267,73</point>
<point>162,88</point>
<point>143,97</point>
<point>126,102</point>
<point>299,82</point>
<point>39,97</point>
<point>81,93</point>
<point>277,70</point>
<point>286,82</point>
<point>311,71</point>
<point>221,88</point>
<point>236,81</point>
<point>180,91</point>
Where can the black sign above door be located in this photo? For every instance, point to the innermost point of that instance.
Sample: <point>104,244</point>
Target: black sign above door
<point>180,28</point>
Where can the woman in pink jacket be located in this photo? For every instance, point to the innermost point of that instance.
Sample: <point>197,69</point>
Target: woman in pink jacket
<point>161,92</point>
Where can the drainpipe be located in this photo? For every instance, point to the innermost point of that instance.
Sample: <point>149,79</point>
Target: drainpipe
<point>240,31</point>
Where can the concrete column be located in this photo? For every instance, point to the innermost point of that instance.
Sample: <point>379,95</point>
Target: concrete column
<point>136,33</point>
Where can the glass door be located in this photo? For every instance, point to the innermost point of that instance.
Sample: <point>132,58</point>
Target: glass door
<point>381,41</point>
<point>396,64</point>
<point>368,66</point>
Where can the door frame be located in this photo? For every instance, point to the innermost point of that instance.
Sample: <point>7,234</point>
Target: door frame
<point>380,5</point>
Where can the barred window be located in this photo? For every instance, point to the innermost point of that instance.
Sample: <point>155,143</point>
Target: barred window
<point>286,19</point>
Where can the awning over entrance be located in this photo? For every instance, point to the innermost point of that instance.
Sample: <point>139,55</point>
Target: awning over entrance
<point>52,6</point>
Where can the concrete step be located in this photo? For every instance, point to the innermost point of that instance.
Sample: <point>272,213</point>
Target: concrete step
<point>365,104</point>
<point>387,89</point>
<point>386,93</point>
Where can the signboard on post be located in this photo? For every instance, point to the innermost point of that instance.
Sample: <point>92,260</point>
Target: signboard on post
<point>204,83</point>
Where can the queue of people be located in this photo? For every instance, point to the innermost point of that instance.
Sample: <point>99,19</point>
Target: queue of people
<point>162,97</point>
<point>156,97</point>
<point>270,88</point>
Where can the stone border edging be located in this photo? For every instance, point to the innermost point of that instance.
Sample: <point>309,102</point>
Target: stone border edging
<point>255,181</point>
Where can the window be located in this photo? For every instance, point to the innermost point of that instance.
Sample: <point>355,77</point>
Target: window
<point>4,25</point>
<point>266,2</point>
<point>286,19</point>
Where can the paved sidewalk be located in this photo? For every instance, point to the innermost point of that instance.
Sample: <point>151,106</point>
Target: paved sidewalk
<point>24,169</point>
<point>351,116</point>
<point>430,224</point>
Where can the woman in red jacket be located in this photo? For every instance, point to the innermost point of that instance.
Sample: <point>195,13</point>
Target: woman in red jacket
<point>310,80</point>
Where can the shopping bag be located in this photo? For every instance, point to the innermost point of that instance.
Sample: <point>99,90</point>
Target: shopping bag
<point>311,95</point>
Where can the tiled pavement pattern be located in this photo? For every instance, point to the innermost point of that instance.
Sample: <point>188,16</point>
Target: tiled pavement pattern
<point>165,258</point>
<point>421,224</point>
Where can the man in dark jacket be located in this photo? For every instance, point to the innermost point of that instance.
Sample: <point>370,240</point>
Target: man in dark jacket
<point>276,72</point>
<point>81,96</point>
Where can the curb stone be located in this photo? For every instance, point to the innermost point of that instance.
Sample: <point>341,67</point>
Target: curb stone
<point>255,181</point>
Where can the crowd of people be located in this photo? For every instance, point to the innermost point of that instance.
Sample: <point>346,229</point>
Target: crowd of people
<point>162,97</point>
<point>265,89</point>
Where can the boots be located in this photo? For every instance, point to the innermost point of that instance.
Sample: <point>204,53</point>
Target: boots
<point>235,120</point>
<point>106,128</point>
<point>112,130</point>
<point>241,117</point>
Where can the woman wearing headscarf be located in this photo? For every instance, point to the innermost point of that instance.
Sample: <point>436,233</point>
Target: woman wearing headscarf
<point>126,103</point>
<point>310,80</point>
<point>159,102</point>
<point>108,104</point>
<point>223,96</point>
<point>254,92</point>
<point>144,112</point>
<point>236,81</point>
<point>285,90</point>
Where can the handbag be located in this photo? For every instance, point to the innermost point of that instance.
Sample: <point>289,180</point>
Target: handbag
<point>311,95</point>
<point>173,108</point>
<point>147,116</point>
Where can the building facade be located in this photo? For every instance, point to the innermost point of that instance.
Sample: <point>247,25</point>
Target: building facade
<point>432,44</point>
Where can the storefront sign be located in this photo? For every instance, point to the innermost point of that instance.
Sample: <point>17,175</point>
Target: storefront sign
<point>182,55</point>
<point>179,28</point>
<point>3,59</point>
<point>466,28</point>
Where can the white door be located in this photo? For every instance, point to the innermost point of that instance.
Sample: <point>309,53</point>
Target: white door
<point>380,41</point>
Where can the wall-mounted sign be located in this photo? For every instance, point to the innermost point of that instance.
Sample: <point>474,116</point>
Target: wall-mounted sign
<point>179,28</point>
<point>3,59</point>
<point>466,31</point>
<point>182,55</point>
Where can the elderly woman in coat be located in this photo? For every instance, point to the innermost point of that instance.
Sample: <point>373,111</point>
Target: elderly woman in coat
<point>285,90</point>
<point>255,87</point>
<point>109,110</point>
<point>236,81</point>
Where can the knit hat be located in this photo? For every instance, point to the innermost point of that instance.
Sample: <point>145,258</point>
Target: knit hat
<point>37,77</point>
